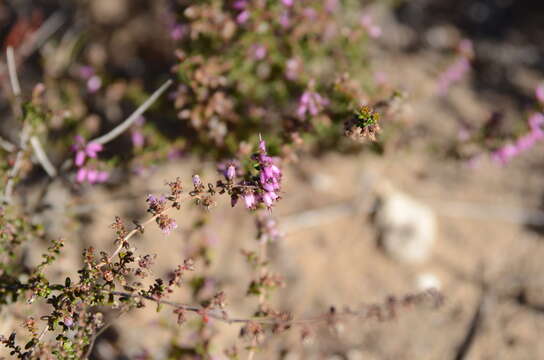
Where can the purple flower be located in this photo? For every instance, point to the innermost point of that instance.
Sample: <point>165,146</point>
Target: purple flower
<point>91,175</point>
<point>85,72</point>
<point>288,2</point>
<point>177,31</point>
<point>242,17</point>
<point>368,24</point>
<point>310,102</point>
<point>504,154</point>
<point>196,180</point>
<point>83,150</point>
<point>452,75</point>
<point>258,51</point>
<point>94,84</point>
<point>166,224</point>
<point>231,172</point>
<point>269,176</point>
<point>240,4</point>
<point>250,200</point>
<point>137,139</point>
<point>285,21</point>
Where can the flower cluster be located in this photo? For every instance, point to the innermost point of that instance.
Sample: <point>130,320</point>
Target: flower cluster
<point>93,81</point>
<point>87,173</point>
<point>363,124</point>
<point>311,102</point>
<point>264,187</point>
<point>509,151</point>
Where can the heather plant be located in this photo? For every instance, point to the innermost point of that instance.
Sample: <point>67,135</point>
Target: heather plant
<point>256,83</point>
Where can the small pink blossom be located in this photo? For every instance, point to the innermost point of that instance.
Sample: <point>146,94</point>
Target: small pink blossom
<point>242,17</point>
<point>539,92</point>
<point>288,2</point>
<point>452,75</point>
<point>84,150</point>
<point>92,176</point>
<point>368,24</point>
<point>285,20</point>
<point>94,84</point>
<point>310,102</point>
<point>249,200</point>
<point>258,51</point>
<point>504,154</point>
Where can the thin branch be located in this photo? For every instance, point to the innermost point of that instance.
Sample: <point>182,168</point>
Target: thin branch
<point>6,145</point>
<point>15,87</point>
<point>119,129</point>
<point>93,340</point>
<point>42,157</point>
<point>129,235</point>
<point>378,310</point>
<point>25,133</point>
<point>37,38</point>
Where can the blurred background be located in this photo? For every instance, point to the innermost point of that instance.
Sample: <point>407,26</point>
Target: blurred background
<point>435,202</point>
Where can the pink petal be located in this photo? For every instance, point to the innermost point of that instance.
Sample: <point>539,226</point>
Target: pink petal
<point>80,158</point>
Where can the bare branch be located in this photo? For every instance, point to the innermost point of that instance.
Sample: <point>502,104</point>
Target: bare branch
<point>15,87</point>
<point>119,129</point>
<point>37,38</point>
<point>6,145</point>
<point>42,157</point>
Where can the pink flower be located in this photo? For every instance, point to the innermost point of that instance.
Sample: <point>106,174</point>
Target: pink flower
<point>85,72</point>
<point>249,200</point>
<point>94,84</point>
<point>539,92</point>
<point>258,51</point>
<point>452,75</point>
<point>285,21</point>
<point>196,180</point>
<point>177,31</point>
<point>287,2</point>
<point>524,143</point>
<point>242,17</point>
<point>137,139</point>
<point>83,150</point>
<point>368,24</point>
<point>92,176</point>
<point>231,172</point>
<point>310,102</point>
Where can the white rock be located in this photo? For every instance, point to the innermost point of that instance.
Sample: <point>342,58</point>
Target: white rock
<point>428,281</point>
<point>407,228</point>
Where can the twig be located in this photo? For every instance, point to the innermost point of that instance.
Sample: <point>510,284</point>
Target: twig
<point>6,145</point>
<point>128,236</point>
<point>119,129</point>
<point>368,311</point>
<point>37,38</point>
<point>25,133</point>
<point>93,340</point>
<point>42,157</point>
<point>12,69</point>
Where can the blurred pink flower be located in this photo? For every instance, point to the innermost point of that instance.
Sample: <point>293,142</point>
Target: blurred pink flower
<point>504,154</point>
<point>539,92</point>
<point>83,150</point>
<point>368,24</point>
<point>94,84</point>
<point>258,51</point>
<point>310,102</point>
